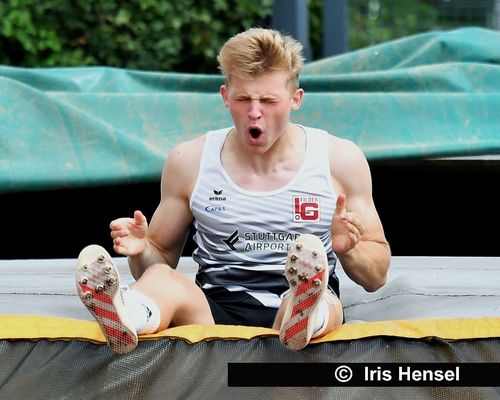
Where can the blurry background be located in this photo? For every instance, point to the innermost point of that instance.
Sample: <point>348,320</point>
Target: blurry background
<point>455,213</point>
<point>186,35</point>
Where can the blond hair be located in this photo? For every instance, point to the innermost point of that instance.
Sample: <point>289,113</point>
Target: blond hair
<point>258,51</point>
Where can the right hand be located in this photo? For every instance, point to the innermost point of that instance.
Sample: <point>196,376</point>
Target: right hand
<point>129,234</point>
<point>347,227</point>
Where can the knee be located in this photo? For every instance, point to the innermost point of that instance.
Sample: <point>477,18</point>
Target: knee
<point>157,271</point>
<point>157,281</point>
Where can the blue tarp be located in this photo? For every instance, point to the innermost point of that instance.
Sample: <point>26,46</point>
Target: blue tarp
<point>432,94</point>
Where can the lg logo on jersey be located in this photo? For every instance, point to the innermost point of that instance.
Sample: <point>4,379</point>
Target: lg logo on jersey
<point>305,208</point>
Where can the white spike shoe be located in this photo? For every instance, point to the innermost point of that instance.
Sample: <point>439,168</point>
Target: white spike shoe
<point>306,271</point>
<point>98,285</point>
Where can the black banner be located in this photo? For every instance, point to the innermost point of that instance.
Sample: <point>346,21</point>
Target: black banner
<point>367,374</point>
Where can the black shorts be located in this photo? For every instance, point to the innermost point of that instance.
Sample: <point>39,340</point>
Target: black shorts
<point>239,308</point>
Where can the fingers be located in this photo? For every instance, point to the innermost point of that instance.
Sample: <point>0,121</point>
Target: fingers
<point>119,227</point>
<point>355,224</point>
<point>353,221</point>
<point>354,232</point>
<point>140,219</point>
<point>122,228</point>
<point>119,249</point>
<point>355,239</point>
<point>340,209</point>
<point>121,242</point>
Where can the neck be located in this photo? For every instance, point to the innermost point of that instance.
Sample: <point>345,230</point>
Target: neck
<point>286,149</point>
<point>264,171</point>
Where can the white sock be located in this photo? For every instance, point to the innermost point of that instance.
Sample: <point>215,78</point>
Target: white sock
<point>322,317</point>
<point>143,309</point>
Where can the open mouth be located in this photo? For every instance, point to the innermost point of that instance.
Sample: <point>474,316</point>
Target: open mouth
<point>255,132</point>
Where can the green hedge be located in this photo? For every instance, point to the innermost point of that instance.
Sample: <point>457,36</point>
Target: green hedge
<point>164,35</point>
<point>174,35</point>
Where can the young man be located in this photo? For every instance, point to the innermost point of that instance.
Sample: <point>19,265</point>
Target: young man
<point>274,205</point>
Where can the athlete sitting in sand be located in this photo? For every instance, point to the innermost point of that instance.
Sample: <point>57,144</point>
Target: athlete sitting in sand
<point>274,205</point>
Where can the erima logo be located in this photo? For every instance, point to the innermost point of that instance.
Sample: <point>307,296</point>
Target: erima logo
<point>231,240</point>
<point>217,196</point>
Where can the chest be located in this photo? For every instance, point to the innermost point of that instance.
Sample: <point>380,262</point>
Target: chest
<point>261,182</point>
<point>264,175</point>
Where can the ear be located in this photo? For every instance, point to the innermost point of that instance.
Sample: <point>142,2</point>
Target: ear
<point>223,93</point>
<point>297,99</point>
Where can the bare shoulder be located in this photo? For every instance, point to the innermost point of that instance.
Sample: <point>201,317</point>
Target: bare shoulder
<point>182,165</point>
<point>186,153</point>
<point>344,152</point>
<point>348,164</point>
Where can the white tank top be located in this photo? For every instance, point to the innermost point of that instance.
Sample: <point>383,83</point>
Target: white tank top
<point>243,236</point>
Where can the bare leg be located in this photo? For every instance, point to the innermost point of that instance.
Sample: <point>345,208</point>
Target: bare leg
<point>179,300</point>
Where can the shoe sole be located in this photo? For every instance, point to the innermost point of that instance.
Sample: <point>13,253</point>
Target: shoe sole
<point>306,271</point>
<point>98,286</point>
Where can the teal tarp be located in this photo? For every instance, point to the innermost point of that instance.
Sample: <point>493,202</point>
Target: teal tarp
<point>432,94</point>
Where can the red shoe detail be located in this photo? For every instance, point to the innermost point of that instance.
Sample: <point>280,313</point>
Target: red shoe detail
<point>307,286</point>
<point>103,299</point>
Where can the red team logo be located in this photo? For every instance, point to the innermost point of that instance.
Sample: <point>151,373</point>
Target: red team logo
<point>305,208</point>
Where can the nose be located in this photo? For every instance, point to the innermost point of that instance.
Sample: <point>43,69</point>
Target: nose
<point>254,112</point>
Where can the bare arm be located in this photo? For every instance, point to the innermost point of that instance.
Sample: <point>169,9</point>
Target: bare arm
<point>358,234</point>
<point>164,239</point>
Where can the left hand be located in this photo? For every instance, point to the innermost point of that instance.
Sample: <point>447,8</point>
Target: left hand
<point>347,227</point>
